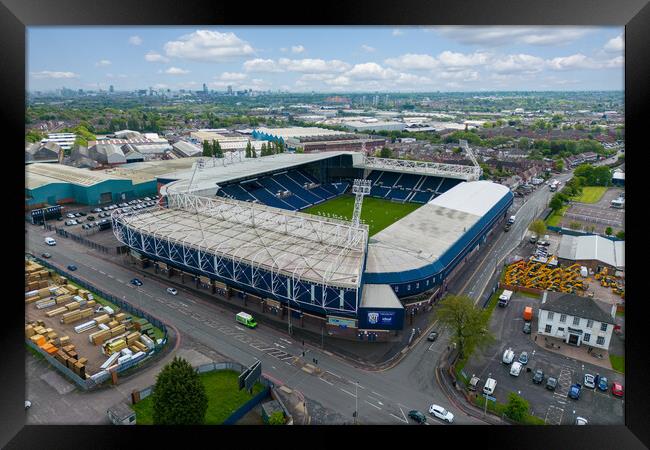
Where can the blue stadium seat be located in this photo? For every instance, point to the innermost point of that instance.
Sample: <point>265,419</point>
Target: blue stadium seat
<point>448,184</point>
<point>408,181</point>
<point>422,197</point>
<point>267,198</point>
<point>398,194</point>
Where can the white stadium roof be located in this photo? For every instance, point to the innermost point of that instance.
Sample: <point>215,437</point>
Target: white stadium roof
<point>421,237</point>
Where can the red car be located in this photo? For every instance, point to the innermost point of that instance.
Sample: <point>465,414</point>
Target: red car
<point>617,389</point>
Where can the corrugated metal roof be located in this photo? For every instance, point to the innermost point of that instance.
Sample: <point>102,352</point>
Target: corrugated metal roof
<point>37,175</point>
<point>584,248</point>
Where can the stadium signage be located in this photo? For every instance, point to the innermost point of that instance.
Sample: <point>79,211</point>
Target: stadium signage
<point>341,322</point>
<point>381,317</point>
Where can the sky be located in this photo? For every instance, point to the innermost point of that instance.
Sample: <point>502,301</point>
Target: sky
<point>327,59</point>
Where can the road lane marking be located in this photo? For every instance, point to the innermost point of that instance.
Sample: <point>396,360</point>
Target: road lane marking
<point>325,381</point>
<point>279,345</point>
<point>398,418</point>
<point>373,398</point>
<point>337,376</point>
<point>348,392</point>
<point>119,281</point>
<point>372,404</point>
<point>377,394</point>
<point>287,341</point>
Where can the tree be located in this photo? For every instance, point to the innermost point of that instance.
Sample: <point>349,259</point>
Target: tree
<point>556,202</point>
<point>179,396</point>
<point>468,324</point>
<point>253,152</point>
<point>207,149</point>
<point>575,225</point>
<point>524,143</point>
<point>620,234</point>
<point>216,149</point>
<point>538,227</point>
<point>609,231</point>
<point>300,150</point>
<point>33,136</point>
<point>263,150</point>
<point>559,165</point>
<point>516,408</point>
<point>385,152</point>
<point>248,149</point>
<point>277,418</point>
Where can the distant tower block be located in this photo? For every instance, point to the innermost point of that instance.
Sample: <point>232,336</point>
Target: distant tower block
<point>359,189</point>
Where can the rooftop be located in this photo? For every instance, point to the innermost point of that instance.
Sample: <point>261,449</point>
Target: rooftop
<point>574,305</point>
<point>584,248</point>
<point>296,132</point>
<point>37,175</point>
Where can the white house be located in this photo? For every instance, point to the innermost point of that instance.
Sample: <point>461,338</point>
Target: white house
<point>577,320</point>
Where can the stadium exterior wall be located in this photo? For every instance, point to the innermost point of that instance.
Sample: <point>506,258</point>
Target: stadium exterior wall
<point>240,275</point>
<point>54,193</point>
<point>420,280</point>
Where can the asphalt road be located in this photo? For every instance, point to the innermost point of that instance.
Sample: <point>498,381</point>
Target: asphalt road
<point>380,397</point>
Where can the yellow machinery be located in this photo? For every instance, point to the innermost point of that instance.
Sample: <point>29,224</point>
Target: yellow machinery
<point>541,276</point>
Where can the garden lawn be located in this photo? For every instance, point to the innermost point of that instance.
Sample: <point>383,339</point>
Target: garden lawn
<point>618,363</point>
<point>555,218</point>
<point>590,194</point>
<point>224,398</point>
<point>376,212</point>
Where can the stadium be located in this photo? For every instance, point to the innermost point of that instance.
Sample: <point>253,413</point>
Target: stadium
<point>281,229</point>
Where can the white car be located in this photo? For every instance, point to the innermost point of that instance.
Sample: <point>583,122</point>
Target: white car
<point>508,356</point>
<point>581,421</point>
<point>590,381</point>
<point>441,413</point>
<point>172,291</point>
<point>515,369</point>
<point>28,404</point>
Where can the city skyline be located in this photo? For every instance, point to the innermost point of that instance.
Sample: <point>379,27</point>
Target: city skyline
<point>327,59</point>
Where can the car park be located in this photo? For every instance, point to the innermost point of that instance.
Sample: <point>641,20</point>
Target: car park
<point>602,384</point>
<point>72,267</point>
<point>417,416</point>
<point>617,389</point>
<point>147,199</point>
<point>122,205</point>
<point>490,385</point>
<point>589,381</point>
<point>77,215</point>
<point>172,291</point>
<point>70,216</point>
<point>574,391</point>
<point>551,383</point>
<point>441,413</point>
<point>538,377</point>
<point>515,369</point>
<point>432,336</point>
<point>523,358</point>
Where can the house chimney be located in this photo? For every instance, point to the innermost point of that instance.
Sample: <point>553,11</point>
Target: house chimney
<point>613,312</point>
<point>544,297</point>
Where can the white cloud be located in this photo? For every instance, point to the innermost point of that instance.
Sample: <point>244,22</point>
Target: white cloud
<point>208,46</point>
<point>50,74</point>
<point>460,60</point>
<point>297,49</point>
<point>412,61</point>
<point>614,62</point>
<point>462,75</point>
<point>135,40</point>
<point>370,71</point>
<point>367,48</point>
<point>313,65</point>
<point>119,75</point>
<point>261,65</point>
<point>284,49</point>
<point>518,63</point>
<point>155,57</point>
<point>397,32</point>
<point>176,71</point>
<point>615,44</point>
<point>511,35</point>
<point>233,76</point>
<point>572,62</point>
<point>103,63</point>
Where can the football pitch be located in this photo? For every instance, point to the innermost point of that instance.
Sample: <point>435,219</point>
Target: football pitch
<point>377,213</point>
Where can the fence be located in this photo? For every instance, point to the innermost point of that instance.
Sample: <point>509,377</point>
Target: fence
<point>571,232</point>
<point>228,365</point>
<point>124,305</point>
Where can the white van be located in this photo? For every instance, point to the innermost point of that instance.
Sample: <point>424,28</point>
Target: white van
<point>490,385</point>
<point>50,241</point>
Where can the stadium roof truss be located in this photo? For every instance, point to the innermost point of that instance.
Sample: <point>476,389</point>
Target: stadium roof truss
<point>459,171</point>
<point>237,234</point>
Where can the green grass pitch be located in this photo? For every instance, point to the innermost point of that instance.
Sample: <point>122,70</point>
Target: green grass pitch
<point>377,213</point>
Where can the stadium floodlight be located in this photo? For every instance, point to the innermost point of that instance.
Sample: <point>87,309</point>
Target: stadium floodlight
<point>360,188</point>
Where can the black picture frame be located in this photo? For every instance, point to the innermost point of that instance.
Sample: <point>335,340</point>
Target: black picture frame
<point>15,15</point>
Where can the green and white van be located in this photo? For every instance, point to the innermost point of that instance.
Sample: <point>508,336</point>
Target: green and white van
<point>246,319</point>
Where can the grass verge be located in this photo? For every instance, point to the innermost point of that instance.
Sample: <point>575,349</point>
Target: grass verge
<point>590,194</point>
<point>554,219</point>
<point>224,398</point>
<point>376,212</point>
<point>500,409</point>
<point>618,363</point>
<point>36,354</point>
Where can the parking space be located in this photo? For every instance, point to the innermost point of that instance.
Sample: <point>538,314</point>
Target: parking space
<point>600,215</point>
<point>553,406</point>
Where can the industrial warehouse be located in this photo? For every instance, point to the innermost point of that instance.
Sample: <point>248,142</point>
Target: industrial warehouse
<point>238,225</point>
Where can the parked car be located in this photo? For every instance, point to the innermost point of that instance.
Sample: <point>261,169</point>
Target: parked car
<point>538,377</point>
<point>136,282</point>
<point>123,205</point>
<point>581,421</point>
<point>441,413</point>
<point>575,390</point>
<point>70,216</point>
<point>617,389</point>
<point>83,213</point>
<point>148,199</point>
<point>508,356</point>
<point>432,336</point>
<point>523,358</point>
<point>90,218</point>
<point>527,328</point>
<point>544,243</point>
<point>72,267</point>
<point>515,369</point>
<point>533,239</point>
<point>46,255</point>
<point>602,384</point>
<point>28,404</point>
<point>97,210</point>
<point>551,383</point>
<point>172,291</point>
<point>77,215</point>
<point>589,381</point>
<point>417,416</point>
